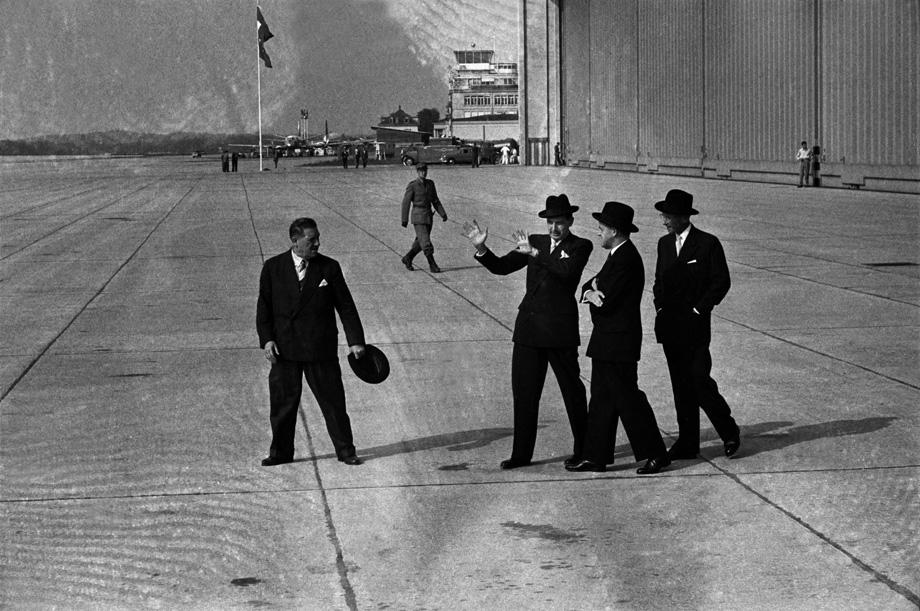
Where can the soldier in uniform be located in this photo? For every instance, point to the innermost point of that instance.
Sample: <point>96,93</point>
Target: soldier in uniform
<point>420,197</point>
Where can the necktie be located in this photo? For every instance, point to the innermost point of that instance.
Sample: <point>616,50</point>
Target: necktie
<point>302,269</point>
<point>680,242</point>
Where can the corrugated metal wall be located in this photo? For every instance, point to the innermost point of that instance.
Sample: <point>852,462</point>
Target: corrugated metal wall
<point>709,82</point>
<point>869,103</point>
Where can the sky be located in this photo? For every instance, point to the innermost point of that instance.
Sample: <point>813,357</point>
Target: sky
<point>163,66</point>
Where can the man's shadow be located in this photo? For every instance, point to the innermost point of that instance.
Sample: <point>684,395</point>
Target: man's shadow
<point>453,442</point>
<point>774,435</point>
<point>755,438</point>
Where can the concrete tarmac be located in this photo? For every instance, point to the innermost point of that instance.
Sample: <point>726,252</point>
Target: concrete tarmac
<point>134,405</point>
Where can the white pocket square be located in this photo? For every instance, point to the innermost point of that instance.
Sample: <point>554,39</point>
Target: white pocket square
<point>323,283</point>
<point>688,262</point>
<point>562,255</point>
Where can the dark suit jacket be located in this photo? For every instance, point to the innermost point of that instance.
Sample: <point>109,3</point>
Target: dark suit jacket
<point>420,196</point>
<point>548,314</point>
<point>617,333</point>
<point>302,323</point>
<point>698,278</point>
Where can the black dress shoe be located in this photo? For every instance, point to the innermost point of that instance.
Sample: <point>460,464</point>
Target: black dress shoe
<point>587,465</point>
<point>513,464</point>
<point>731,447</point>
<point>408,264</point>
<point>678,452</point>
<point>351,460</point>
<point>654,465</point>
<point>271,461</point>
<point>571,461</point>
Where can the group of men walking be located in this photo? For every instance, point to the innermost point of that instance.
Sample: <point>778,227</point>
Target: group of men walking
<point>300,291</point>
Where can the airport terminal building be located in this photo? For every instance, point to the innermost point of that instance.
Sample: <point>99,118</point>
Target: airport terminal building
<point>724,88</point>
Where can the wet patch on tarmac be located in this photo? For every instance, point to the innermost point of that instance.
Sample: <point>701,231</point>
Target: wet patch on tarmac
<point>463,466</point>
<point>543,531</point>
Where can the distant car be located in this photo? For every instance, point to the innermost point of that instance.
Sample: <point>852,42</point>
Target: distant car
<point>438,150</point>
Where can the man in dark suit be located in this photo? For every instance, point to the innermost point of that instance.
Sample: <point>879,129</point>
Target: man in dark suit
<point>546,329</point>
<point>419,198</point>
<point>614,295</point>
<point>691,278</point>
<point>299,292</point>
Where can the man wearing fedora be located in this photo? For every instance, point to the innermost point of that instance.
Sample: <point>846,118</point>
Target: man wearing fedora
<point>300,291</point>
<point>691,278</point>
<point>614,295</point>
<point>420,196</point>
<point>546,329</point>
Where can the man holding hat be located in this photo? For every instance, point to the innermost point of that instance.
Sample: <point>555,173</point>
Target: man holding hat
<point>546,329</point>
<point>420,196</point>
<point>300,291</point>
<point>691,278</point>
<point>614,295</point>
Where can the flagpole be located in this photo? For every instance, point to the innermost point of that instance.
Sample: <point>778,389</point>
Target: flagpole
<point>259,89</point>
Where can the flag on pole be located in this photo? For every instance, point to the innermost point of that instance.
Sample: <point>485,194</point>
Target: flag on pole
<point>264,34</point>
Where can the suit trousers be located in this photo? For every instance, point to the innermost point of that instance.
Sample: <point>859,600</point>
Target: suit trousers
<point>422,242</point>
<point>694,389</point>
<point>615,394</point>
<point>528,373</point>
<point>285,385</point>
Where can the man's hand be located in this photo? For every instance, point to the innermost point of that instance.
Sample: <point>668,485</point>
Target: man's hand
<point>594,297</point>
<point>523,243</point>
<point>357,350</point>
<point>444,218</point>
<point>475,235</point>
<point>271,351</point>
<point>405,224</point>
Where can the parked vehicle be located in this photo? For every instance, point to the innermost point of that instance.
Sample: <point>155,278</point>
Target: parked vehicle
<point>438,150</point>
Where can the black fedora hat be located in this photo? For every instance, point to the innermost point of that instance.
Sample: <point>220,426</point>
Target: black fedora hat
<point>678,203</point>
<point>373,367</point>
<point>557,205</point>
<point>617,215</point>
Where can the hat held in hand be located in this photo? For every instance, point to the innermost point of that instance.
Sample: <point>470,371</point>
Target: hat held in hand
<point>373,367</point>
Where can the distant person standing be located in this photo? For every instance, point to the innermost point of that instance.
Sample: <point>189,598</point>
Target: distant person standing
<point>363,155</point>
<point>475,155</point>
<point>691,278</point>
<point>343,152</point>
<point>420,197</point>
<point>557,153</point>
<point>234,159</point>
<point>357,152</point>
<point>277,156</point>
<point>224,161</point>
<point>816,166</point>
<point>803,156</point>
<point>505,154</point>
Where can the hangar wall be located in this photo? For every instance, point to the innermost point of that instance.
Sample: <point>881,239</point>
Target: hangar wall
<point>726,88</point>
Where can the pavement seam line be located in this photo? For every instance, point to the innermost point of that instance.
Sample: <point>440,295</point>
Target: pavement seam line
<point>876,574</point>
<point>331,531</point>
<point>54,339</point>
<point>79,219</point>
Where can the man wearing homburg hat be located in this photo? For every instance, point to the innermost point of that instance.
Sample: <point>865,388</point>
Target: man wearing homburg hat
<point>546,329</point>
<point>691,278</point>
<point>614,295</point>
